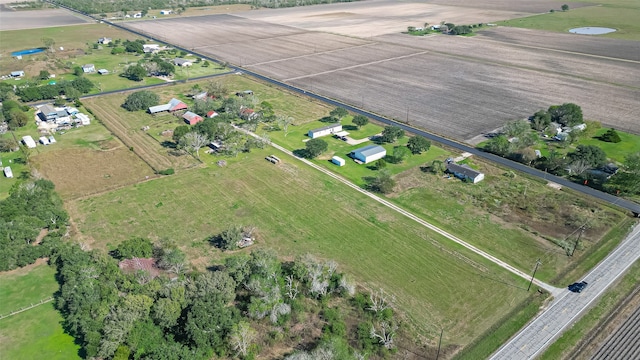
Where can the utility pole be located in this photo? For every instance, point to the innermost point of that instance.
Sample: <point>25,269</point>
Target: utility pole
<point>439,343</point>
<point>575,245</point>
<point>534,274</point>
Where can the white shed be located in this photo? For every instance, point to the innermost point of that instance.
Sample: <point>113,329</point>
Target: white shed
<point>29,142</point>
<point>338,161</point>
<point>324,131</point>
<point>44,140</point>
<point>7,172</point>
<point>369,153</point>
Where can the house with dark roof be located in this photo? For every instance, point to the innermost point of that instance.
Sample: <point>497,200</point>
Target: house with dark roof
<point>48,113</point>
<point>325,130</point>
<point>192,118</point>
<point>173,105</point>
<point>465,172</point>
<point>368,154</point>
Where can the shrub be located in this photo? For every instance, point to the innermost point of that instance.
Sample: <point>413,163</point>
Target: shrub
<point>611,136</point>
<point>168,171</point>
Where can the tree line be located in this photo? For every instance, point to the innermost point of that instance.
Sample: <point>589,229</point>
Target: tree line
<point>32,206</point>
<point>237,309</point>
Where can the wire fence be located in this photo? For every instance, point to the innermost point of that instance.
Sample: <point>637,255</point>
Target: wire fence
<point>42,301</point>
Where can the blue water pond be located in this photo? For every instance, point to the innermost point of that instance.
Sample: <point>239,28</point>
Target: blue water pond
<point>27,52</point>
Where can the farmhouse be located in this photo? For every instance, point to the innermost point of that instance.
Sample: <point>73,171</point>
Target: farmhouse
<point>104,40</point>
<point>191,118</point>
<point>248,114</point>
<point>200,96</point>
<point>368,154</point>
<point>29,142</point>
<point>88,68</point>
<point>150,48</point>
<point>465,172</point>
<point>182,62</point>
<point>165,12</point>
<point>171,106</point>
<point>48,113</point>
<point>19,73</point>
<point>7,172</point>
<point>324,131</point>
<point>103,71</point>
<point>212,114</point>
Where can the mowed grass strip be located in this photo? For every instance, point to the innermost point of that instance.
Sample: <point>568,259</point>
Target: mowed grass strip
<point>26,286</point>
<point>120,121</point>
<point>35,333</point>
<point>297,210</point>
<point>622,17</point>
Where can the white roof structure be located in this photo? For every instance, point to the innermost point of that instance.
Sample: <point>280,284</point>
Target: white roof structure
<point>44,140</point>
<point>52,140</point>
<point>29,142</point>
<point>7,172</point>
<point>84,119</point>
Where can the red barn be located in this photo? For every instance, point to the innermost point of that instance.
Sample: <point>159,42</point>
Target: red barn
<point>192,118</point>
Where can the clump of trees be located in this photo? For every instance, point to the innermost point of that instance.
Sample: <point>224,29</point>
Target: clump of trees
<point>315,147</point>
<point>71,89</point>
<point>141,100</point>
<point>392,133</point>
<point>418,144</point>
<point>31,207</point>
<point>181,314</point>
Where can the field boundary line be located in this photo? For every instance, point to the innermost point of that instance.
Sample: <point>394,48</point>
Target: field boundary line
<point>42,301</point>
<point>551,289</point>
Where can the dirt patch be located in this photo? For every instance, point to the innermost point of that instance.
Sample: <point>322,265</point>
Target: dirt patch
<point>25,269</point>
<point>82,171</point>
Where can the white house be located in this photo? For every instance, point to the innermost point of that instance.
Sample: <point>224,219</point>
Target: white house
<point>338,161</point>
<point>324,131</point>
<point>88,68</point>
<point>165,12</point>
<point>369,153</point>
<point>182,62</point>
<point>29,142</point>
<point>19,73</point>
<point>7,172</point>
<point>104,40</point>
<point>150,48</point>
<point>465,172</point>
<point>103,71</point>
<point>82,119</point>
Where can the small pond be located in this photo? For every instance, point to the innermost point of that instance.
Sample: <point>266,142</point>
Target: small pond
<point>592,30</point>
<point>28,52</point>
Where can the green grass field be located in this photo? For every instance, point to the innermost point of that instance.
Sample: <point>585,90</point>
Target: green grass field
<point>296,135</point>
<point>35,333</point>
<point>296,211</point>
<point>621,15</point>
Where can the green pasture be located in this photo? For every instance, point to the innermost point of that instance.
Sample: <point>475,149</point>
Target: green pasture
<point>357,173</point>
<point>23,287</point>
<point>35,333</point>
<point>621,15</point>
<point>296,211</point>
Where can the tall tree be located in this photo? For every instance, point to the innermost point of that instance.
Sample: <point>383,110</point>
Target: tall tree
<point>360,120</point>
<point>567,114</point>
<point>338,113</point>
<point>590,154</point>
<point>315,147</point>
<point>141,100</point>
<point>392,133</point>
<point>192,142</point>
<point>135,72</point>
<point>417,144</point>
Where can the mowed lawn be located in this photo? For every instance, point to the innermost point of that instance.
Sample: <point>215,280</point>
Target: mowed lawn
<point>35,333</point>
<point>620,15</point>
<point>296,211</point>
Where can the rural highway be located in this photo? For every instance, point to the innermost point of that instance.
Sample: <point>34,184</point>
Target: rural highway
<point>623,203</point>
<point>568,307</point>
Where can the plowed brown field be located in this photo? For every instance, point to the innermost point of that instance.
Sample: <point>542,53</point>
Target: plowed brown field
<point>455,86</point>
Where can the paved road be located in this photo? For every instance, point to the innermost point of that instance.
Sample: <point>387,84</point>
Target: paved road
<point>551,289</point>
<point>626,204</point>
<point>567,308</point>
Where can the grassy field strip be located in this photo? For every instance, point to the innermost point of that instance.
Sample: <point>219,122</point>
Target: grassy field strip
<point>551,289</point>
<point>43,301</point>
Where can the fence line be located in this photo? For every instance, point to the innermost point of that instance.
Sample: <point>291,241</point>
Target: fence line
<point>43,301</point>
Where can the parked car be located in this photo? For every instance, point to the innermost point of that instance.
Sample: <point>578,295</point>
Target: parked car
<point>578,287</point>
